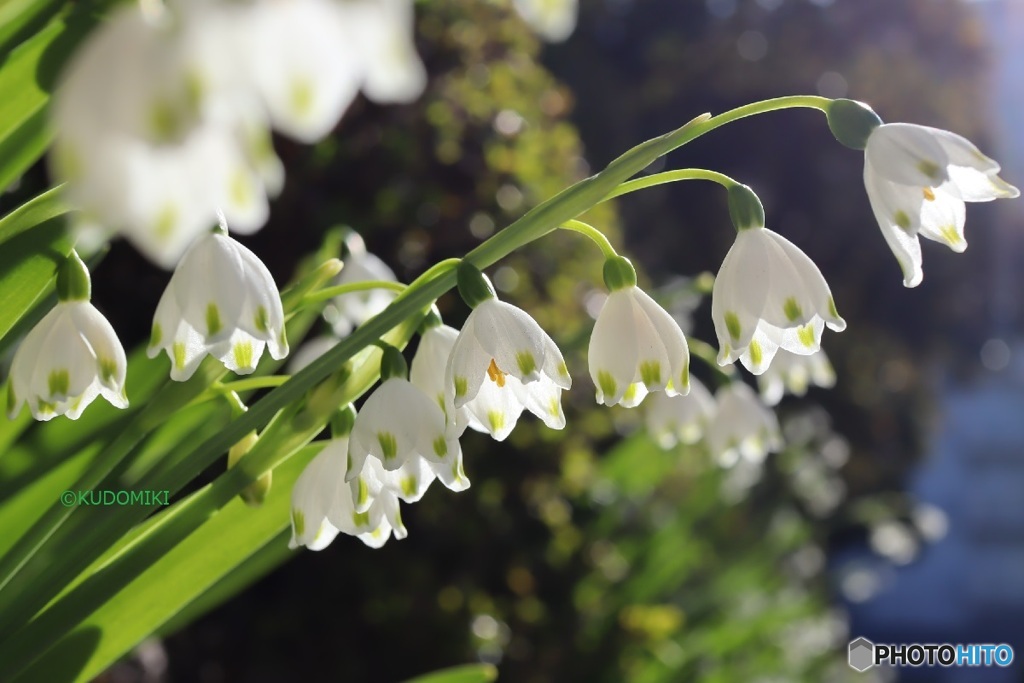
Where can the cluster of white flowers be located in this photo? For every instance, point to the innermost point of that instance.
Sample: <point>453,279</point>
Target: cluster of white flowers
<point>163,118</point>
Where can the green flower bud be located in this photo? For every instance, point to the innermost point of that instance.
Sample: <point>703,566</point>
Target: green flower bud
<point>255,493</point>
<point>342,421</point>
<point>745,208</point>
<point>474,287</point>
<point>73,282</point>
<point>852,122</point>
<point>619,273</point>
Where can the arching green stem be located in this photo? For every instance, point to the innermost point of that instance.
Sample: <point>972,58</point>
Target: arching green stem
<point>593,233</point>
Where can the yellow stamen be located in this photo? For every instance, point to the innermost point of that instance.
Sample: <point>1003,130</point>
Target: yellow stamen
<point>496,374</point>
<point>929,194</point>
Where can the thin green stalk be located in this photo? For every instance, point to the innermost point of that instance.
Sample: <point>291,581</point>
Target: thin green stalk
<point>49,578</point>
<point>250,383</point>
<point>596,236</point>
<point>671,177</point>
<point>329,293</point>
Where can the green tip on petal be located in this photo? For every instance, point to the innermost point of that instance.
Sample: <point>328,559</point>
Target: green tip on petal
<point>852,122</point>
<point>474,287</point>
<point>619,273</point>
<point>745,208</point>
<point>73,282</point>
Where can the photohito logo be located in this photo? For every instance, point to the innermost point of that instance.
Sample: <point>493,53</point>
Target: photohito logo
<point>864,654</point>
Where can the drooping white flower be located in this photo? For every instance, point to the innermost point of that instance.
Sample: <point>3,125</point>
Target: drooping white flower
<point>350,310</point>
<point>769,295</point>
<point>502,362</point>
<point>553,20</point>
<point>917,179</point>
<point>399,424</point>
<point>794,373</point>
<point>323,505</point>
<point>223,301</point>
<point>680,419</point>
<point>742,426</point>
<point>636,348</point>
<point>427,373</point>
<point>70,357</point>
<point>383,32</point>
<point>153,133</point>
<point>304,61</point>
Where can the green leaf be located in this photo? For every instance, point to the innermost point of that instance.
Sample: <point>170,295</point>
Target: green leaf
<point>28,264</point>
<point>468,673</point>
<point>18,17</point>
<point>194,566</point>
<point>33,212</point>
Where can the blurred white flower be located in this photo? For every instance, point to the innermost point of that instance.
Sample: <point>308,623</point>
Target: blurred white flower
<point>502,362</point>
<point>794,373</point>
<point>769,295</point>
<point>223,301</point>
<point>309,351</point>
<point>680,419</point>
<point>636,347</point>
<point>383,31</point>
<point>70,357</point>
<point>322,505</point>
<point>553,20</point>
<point>399,424</point>
<point>153,132</point>
<point>742,428</point>
<point>350,310</point>
<point>917,180</point>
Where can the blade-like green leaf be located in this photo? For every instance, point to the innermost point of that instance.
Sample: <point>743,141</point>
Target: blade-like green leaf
<point>19,17</point>
<point>28,264</point>
<point>468,673</point>
<point>33,212</point>
<point>197,564</point>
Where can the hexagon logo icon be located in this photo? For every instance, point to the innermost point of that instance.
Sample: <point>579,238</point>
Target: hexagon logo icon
<point>862,654</point>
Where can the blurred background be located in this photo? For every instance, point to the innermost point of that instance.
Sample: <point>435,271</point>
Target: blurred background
<point>896,511</point>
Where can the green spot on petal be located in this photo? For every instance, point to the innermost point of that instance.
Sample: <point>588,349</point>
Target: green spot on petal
<point>951,235</point>
<point>361,518</point>
<point>178,350</point>
<point>563,370</point>
<point>301,97</point>
<point>832,310</point>
<point>243,354</point>
<point>650,373</point>
<point>409,485</point>
<point>239,190</point>
<point>606,383</point>
<point>554,408</point>
<point>806,335</point>
<point>496,419</point>
<point>440,447</point>
<point>388,444</point>
<point>930,169</point>
<point>629,394</point>
<point>461,386</point>
<point>792,309</point>
<point>213,325</point>
<point>527,363</point>
<point>755,353</point>
<point>262,320</point>
<point>902,220</point>
<point>108,370</point>
<point>45,407</point>
<point>299,522</point>
<point>156,335</point>
<point>166,222</point>
<point>732,323</point>
<point>59,382</point>
<point>362,492</point>
<point>164,121</point>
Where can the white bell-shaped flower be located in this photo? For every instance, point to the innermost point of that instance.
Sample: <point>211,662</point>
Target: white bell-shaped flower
<point>70,357</point>
<point>636,348</point>
<point>917,179</point>
<point>351,310</point>
<point>769,295</point>
<point>742,428</point>
<point>502,362</point>
<point>383,33</point>
<point>153,132</point>
<point>680,419</point>
<point>793,373</point>
<point>304,61</point>
<point>399,424</point>
<point>553,20</point>
<point>427,372</point>
<point>323,505</point>
<point>223,301</point>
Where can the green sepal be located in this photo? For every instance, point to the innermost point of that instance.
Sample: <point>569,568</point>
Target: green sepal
<point>745,208</point>
<point>851,122</point>
<point>474,287</point>
<point>619,273</point>
<point>392,363</point>
<point>73,282</point>
<point>432,320</point>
